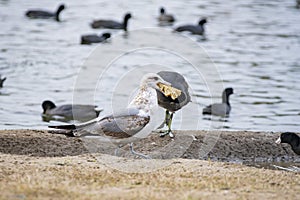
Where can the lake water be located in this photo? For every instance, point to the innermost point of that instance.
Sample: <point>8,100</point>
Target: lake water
<point>254,44</point>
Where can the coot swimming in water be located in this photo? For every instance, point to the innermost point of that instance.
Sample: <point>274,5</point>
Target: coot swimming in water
<point>42,14</point>
<point>110,24</point>
<point>89,39</point>
<point>220,109</point>
<point>194,29</point>
<point>165,17</point>
<point>69,112</point>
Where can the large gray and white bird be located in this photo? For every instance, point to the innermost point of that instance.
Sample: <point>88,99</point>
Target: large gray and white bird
<point>42,14</point>
<point>194,29</point>
<point>121,126</point>
<point>111,24</point>
<point>220,109</point>
<point>171,105</point>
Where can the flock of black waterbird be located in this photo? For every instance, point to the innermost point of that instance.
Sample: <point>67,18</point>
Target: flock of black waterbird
<point>164,19</point>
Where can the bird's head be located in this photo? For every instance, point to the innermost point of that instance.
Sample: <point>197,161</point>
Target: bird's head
<point>61,7</point>
<point>127,16</point>
<point>154,81</point>
<point>202,21</point>
<point>157,82</point>
<point>228,91</point>
<point>106,35</point>
<point>46,105</point>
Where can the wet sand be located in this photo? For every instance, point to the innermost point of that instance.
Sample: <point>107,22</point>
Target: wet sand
<point>41,165</point>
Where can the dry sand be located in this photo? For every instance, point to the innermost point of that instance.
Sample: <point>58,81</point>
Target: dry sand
<point>40,165</point>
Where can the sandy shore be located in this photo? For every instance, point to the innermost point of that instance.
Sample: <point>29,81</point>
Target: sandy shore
<point>41,165</point>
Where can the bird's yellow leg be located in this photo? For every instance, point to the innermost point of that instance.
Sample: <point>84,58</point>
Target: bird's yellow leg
<point>169,126</point>
<point>168,121</point>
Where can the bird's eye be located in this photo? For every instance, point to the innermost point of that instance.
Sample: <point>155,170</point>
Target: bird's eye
<point>155,78</point>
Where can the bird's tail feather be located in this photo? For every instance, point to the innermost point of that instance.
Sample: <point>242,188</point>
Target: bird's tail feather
<point>206,110</point>
<point>68,133</point>
<point>64,127</point>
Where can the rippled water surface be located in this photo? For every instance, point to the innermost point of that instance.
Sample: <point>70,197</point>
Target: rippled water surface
<point>254,44</point>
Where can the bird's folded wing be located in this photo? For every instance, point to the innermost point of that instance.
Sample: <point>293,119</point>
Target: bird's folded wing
<point>216,109</point>
<point>107,23</point>
<point>124,126</point>
<point>119,125</point>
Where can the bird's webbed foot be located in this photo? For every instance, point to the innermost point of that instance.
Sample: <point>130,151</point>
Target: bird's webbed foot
<point>167,132</point>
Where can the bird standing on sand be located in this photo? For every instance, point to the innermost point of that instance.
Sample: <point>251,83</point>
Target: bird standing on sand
<point>123,125</point>
<point>41,14</point>
<point>194,29</point>
<point>69,111</point>
<point>171,105</point>
<point>292,139</point>
<point>89,39</point>
<point>2,81</point>
<point>110,24</point>
<point>165,17</point>
<point>220,109</point>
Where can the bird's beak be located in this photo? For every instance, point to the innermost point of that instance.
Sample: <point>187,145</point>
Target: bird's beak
<point>160,85</point>
<point>163,82</point>
<point>168,90</point>
<point>278,141</point>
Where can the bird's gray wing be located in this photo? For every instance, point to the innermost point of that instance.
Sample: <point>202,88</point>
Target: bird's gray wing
<point>118,125</point>
<point>76,111</point>
<point>107,24</point>
<point>166,18</point>
<point>185,28</point>
<point>219,109</point>
<point>191,28</point>
<point>123,126</point>
<point>84,112</point>
<point>64,111</point>
<point>40,14</point>
<point>91,39</point>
